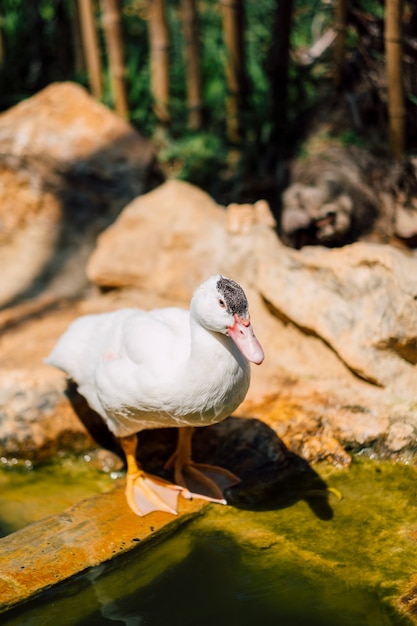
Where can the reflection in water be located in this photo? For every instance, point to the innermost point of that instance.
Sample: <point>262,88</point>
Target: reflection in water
<point>215,585</point>
<point>286,565</point>
<point>111,609</point>
<point>218,585</point>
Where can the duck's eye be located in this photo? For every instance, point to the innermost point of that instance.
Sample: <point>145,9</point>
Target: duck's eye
<point>222,303</point>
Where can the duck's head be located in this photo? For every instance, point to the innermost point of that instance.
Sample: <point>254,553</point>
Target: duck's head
<point>220,305</point>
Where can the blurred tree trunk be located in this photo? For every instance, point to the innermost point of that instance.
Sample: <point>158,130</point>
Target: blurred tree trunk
<point>91,48</point>
<point>159,60</point>
<point>237,83</point>
<point>77,44</point>
<point>114,41</point>
<point>339,49</point>
<point>393,52</point>
<point>279,60</point>
<point>192,62</point>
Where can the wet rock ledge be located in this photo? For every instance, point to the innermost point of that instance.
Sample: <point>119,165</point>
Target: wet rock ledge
<point>89,533</point>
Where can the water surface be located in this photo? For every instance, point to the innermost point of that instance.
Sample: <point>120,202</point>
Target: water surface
<point>28,493</point>
<point>283,564</point>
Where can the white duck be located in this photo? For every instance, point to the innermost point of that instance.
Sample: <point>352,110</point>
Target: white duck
<point>166,367</point>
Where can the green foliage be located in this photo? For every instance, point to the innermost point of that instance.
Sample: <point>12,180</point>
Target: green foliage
<point>412,98</point>
<point>195,157</point>
<point>351,137</point>
<point>311,19</point>
<point>38,37</point>
<point>136,48</point>
<point>213,58</point>
<point>373,7</point>
<point>33,32</point>
<point>320,142</point>
<point>37,47</point>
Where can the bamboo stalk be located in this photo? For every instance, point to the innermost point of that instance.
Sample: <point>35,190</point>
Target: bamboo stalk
<point>192,63</point>
<point>339,48</point>
<point>159,60</point>
<point>77,43</point>
<point>114,41</point>
<point>233,28</point>
<point>91,48</point>
<point>393,50</point>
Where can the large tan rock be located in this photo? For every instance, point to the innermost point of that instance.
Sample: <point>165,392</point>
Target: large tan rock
<point>166,242</point>
<point>170,240</point>
<point>360,299</point>
<point>68,166</point>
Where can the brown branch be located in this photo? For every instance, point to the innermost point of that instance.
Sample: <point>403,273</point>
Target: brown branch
<point>233,28</point>
<point>308,56</point>
<point>77,42</point>
<point>114,41</point>
<point>339,48</point>
<point>159,59</point>
<point>394,49</point>
<point>91,48</point>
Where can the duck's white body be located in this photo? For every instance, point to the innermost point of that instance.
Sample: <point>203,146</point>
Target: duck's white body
<point>152,369</point>
<point>166,367</point>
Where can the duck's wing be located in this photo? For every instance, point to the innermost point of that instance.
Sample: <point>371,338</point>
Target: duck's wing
<point>85,341</point>
<point>159,339</point>
<point>139,373</point>
<point>123,358</point>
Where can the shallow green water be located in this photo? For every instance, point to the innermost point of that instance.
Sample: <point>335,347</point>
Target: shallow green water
<point>288,564</point>
<point>27,494</point>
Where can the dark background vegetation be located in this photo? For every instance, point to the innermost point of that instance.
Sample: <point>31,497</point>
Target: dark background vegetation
<point>40,44</point>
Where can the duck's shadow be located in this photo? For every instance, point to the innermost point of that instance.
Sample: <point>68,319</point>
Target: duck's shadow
<point>272,477</point>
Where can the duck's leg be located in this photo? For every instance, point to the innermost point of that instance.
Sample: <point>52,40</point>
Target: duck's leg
<point>202,480</point>
<point>146,493</point>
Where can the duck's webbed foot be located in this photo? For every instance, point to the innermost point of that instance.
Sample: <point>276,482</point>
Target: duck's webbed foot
<point>203,481</point>
<point>146,493</point>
